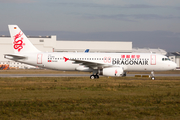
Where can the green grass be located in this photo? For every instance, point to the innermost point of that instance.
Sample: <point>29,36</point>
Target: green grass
<point>82,98</point>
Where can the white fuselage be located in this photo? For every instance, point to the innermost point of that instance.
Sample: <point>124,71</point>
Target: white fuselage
<point>128,61</point>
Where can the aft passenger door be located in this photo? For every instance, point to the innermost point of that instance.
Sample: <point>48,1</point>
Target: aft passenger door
<point>39,58</point>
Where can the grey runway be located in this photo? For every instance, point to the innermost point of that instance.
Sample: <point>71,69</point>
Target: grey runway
<point>44,75</point>
<point>76,75</point>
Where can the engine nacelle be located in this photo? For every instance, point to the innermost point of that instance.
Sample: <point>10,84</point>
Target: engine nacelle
<point>114,71</point>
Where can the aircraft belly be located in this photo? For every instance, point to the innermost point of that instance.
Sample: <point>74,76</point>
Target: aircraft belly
<point>61,66</point>
<point>142,68</point>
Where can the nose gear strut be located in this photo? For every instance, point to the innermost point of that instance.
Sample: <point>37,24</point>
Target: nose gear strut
<point>152,75</point>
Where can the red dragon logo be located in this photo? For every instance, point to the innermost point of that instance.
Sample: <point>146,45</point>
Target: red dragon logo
<point>18,41</point>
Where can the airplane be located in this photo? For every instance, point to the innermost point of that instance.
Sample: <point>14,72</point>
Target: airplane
<point>86,51</point>
<point>106,64</point>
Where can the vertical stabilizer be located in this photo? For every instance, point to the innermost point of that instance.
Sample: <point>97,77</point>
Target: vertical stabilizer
<point>21,43</point>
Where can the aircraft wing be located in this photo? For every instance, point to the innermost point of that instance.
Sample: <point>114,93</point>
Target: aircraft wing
<point>14,56</point>
<point>93,65</point>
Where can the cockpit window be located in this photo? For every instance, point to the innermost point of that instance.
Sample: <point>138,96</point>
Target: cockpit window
<point>165,59</point>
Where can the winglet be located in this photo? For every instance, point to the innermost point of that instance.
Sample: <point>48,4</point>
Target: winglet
<point>66,59</point>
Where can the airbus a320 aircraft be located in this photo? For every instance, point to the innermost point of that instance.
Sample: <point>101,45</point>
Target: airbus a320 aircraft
<point>107,64</point>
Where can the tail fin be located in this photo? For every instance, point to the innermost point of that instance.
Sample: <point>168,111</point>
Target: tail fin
<point>21,43</point>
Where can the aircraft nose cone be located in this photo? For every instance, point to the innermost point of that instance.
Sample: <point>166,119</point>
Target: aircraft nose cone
<point>174,66</point>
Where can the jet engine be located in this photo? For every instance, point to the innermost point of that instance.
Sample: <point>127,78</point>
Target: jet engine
<point>113,71</point>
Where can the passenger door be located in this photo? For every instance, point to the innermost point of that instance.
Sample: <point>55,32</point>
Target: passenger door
<point>39,58</point>
<point>153,59</point>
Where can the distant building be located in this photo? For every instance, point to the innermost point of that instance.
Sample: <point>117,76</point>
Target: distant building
<point>149,50</point>
<point>175,57</point>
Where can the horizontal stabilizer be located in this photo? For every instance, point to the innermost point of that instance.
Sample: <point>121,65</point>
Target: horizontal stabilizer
<point>14,56</point>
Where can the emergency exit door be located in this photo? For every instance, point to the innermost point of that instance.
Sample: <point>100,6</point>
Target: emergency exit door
<point>39,58</point>
<point>153,59</point>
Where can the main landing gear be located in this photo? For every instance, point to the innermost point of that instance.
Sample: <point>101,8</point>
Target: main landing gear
<point>152,75</point>
<point>94,76</point>
<point>124,74</point>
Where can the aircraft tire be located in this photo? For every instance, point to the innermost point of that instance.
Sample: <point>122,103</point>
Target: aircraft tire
<point>92,77</point>
<point>152,78</point>
<point>96,76</point>
<point>124,74</point>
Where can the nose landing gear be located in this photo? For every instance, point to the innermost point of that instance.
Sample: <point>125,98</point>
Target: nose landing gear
<point>152,75</point>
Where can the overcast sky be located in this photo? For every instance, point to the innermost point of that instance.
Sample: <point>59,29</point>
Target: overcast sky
<point>147,23</point>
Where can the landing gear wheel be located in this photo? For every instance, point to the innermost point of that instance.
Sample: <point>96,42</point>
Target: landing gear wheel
<point>124,74</point>
<point>152,78</point>
<point>92,77</point>
<point>96,76</point>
